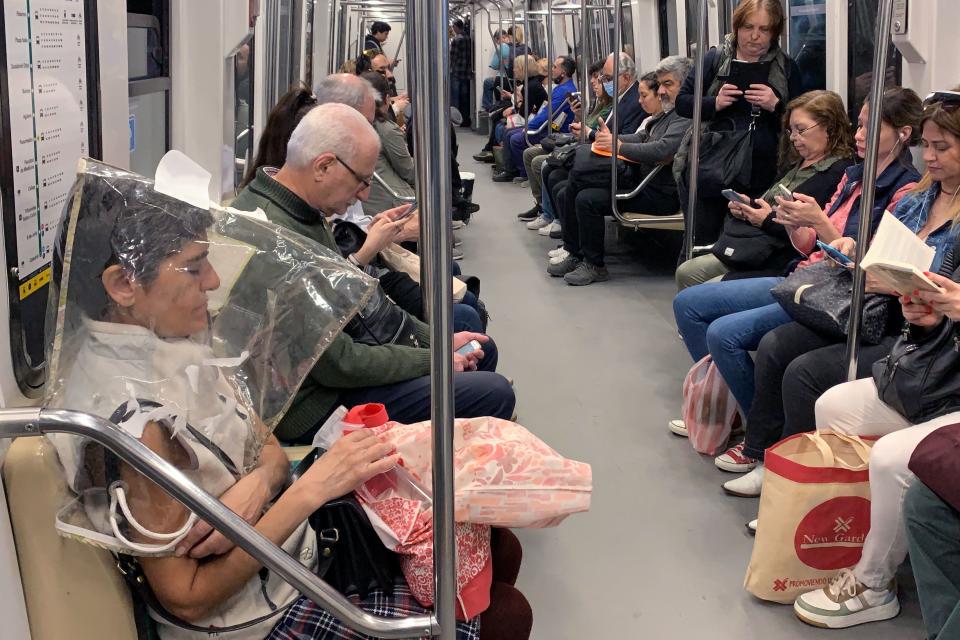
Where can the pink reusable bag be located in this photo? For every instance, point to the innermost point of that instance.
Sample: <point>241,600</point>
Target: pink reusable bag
<point>709,409</point>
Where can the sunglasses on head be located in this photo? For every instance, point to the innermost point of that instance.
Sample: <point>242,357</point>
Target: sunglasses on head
<point>946,100</point>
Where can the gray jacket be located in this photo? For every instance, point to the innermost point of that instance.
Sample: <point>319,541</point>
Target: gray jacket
<point>394,165</point>
<point>657,144</point>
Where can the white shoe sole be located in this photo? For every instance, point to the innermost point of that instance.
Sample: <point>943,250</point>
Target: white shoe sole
<point>734,468</point>
<point>678,428</point>
<point>873,614</point>
<point>739,494</point>
<point>544,231</point>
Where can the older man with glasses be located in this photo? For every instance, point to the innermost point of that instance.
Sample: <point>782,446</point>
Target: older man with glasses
<point>329,164</point>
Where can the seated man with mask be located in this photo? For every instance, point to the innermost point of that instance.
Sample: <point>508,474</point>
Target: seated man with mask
<point>330,159</point>
<point>584,202</point>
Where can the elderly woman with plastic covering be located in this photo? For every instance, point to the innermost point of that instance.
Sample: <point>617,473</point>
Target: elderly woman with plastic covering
<point>152,337</point>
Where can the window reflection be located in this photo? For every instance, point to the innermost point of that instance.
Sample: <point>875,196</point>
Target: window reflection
<point>863,23</point>
<point>808,41</point>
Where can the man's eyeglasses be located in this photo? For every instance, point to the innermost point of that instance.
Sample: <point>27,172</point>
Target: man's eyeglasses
<point>799,131</point>
<point>364,181</point>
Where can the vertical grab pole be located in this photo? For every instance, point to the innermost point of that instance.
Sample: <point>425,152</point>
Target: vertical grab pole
<point>430,93</point>
<point>693,163</point>
<point>882,43</point>
<point>526,79</point>
<point>614,111</point>
<point>550,58</point>
<point>584,66</point>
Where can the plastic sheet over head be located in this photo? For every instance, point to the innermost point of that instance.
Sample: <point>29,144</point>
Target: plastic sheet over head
<point>190,328</point>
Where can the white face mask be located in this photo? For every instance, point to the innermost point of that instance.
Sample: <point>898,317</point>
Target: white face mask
<point>118,497</point>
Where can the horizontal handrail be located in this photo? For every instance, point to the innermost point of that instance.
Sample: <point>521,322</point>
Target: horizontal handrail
<point>643,184</point>
<point>390,190</point>
<point>16,423</point>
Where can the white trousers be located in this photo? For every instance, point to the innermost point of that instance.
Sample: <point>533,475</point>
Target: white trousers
<point>854,408</point>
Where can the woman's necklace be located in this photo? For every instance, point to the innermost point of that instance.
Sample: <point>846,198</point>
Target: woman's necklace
<point>953,198</point>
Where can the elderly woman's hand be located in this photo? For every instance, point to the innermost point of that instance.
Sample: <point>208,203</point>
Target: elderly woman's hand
<point>248,498</point>
<point>760,95</point>
<point>729,93</point>
<point>351,461</point>
<point>754,215</point>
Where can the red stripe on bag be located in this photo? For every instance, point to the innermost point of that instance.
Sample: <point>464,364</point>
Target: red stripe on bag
<point>785,468</point>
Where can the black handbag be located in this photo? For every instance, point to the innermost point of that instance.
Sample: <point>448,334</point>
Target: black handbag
<point>726,158</point>
<point>819,297</point>
<point>921,376</point>
<point>743,246</point>
<point>352,557</point>
<point>593,170</point>
<point>557,140</point>
<point>563,157</point>
<point>381,321</point>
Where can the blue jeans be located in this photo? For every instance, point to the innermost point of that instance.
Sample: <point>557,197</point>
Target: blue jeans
<point>546,203</point>
<point>489,99</point>
<point>727,320</point>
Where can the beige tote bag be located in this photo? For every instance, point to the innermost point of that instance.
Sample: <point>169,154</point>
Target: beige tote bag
<point>399,259</point>
<point>814,514</point>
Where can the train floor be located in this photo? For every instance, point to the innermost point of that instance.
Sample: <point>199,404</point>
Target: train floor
<point>598,371</point>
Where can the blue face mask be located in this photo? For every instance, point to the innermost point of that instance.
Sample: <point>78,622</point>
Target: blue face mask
<point>608,87</point>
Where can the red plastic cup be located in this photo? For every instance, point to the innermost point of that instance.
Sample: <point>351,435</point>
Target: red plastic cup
<point>369,415</point>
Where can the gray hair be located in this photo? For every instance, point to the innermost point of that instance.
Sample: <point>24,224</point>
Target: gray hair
<point>627,66</point>
<point>678,66</point>
<point>344,88</point>
<point>328,128</point>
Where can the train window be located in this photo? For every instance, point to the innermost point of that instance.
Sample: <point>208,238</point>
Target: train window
<point>242,66</point>
<point>149,83</point>
<point>862,27</point>
<point>807,41</point>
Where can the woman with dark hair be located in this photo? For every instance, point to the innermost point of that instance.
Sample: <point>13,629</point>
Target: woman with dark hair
<point>755,38</point>
<point>283,119</point>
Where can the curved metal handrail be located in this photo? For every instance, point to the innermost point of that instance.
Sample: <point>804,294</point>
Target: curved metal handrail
<point>32,422</point>
<point>657,221</point>
<point>391,191</point>
<point>870,161</point>
<point>694,154</point>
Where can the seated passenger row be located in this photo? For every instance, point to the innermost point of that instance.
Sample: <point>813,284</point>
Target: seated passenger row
<point>799,366</point>
<point>764,226</point>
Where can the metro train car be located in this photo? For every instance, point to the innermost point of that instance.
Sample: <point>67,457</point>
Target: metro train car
<point>692,378</point>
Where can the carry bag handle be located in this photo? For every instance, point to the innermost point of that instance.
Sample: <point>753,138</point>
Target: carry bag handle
<point>858,445</point>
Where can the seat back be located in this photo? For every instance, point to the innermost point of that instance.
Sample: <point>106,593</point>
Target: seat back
<point>72,590</point>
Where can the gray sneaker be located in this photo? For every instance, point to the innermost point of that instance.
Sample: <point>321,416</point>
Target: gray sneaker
<point>561,269</point>
<point>457,254</point>
<point>585,274</point>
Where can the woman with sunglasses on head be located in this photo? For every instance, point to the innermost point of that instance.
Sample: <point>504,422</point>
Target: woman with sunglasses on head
<point>755,38</point>
<point>867,593</point>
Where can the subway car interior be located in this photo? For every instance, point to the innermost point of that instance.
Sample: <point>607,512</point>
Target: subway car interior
<point>702,391</point>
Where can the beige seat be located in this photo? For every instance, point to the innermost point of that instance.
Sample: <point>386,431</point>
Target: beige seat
<point>72,590</point>
<point>650,221</point>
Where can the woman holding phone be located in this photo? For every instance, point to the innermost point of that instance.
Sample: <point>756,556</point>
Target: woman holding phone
<point>755,38</point>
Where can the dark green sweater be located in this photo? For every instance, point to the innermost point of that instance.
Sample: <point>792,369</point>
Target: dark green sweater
<point>345,364</point>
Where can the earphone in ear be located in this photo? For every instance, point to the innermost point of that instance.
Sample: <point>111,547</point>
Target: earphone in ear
<point>903,137</point>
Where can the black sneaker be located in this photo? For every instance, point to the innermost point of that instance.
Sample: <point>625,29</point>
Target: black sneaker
<point>561,269</point>
<point>504,176</point>
<point>531,214</point>
<point>586,273</point>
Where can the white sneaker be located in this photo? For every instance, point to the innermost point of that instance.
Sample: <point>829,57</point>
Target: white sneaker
<point>553,227</point>
<point>538,223</point>
<point>746,486</point>
<point>752,527</point>
<point>846,602</point>
<point>678,427</point>
<point>557,259</point>
<point>559,251</point>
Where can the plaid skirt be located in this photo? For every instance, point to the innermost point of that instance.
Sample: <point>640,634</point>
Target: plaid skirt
<point>306,621</point>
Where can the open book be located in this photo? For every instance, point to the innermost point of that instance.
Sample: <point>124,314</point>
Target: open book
<point>898,258</point>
